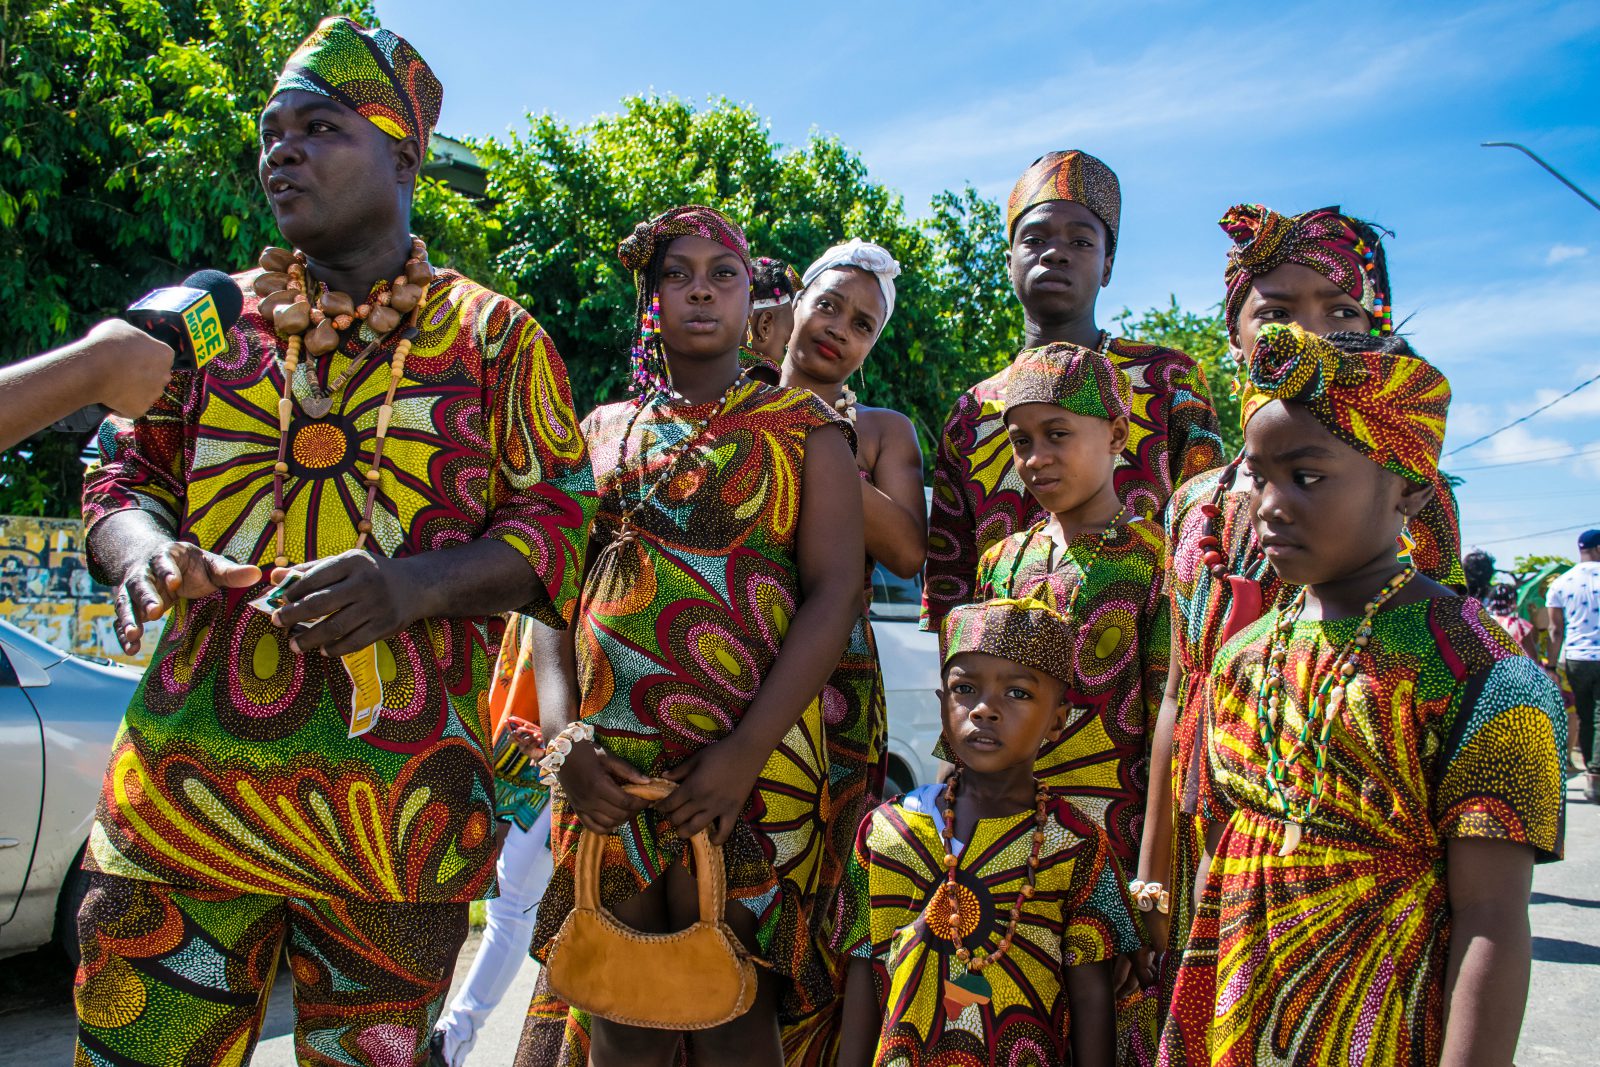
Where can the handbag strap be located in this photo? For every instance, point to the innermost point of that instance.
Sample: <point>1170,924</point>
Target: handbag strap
<point>710,876</point>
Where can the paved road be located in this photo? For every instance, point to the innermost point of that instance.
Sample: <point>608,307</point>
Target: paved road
<point>36,1012</point>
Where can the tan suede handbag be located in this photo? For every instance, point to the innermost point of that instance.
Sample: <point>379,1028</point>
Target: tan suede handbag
<point>690,980</point>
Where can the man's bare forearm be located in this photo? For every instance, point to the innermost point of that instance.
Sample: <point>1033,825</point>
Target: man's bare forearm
<point>485,577</point>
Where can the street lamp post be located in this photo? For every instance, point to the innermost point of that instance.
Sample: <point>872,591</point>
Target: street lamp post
<point>1562,178</point>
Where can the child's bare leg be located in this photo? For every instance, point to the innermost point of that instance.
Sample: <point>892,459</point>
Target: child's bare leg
<point>751,1040</point>
<point>613,1044</point>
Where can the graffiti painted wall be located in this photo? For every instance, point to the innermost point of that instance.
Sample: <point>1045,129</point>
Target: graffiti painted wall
<point>46,590</point>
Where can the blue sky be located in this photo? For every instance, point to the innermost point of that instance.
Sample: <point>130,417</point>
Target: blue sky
<point>1379,108</point>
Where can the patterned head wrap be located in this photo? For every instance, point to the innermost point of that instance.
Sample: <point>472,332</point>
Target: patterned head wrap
<point>638,253</point>
<point>1078,379</point>
<point>1075,176</point>
<point>375,73</point>
<point>1022,630</point>
<point>1389,405</point>
<point>864,255</point>
<point>1328,242</point>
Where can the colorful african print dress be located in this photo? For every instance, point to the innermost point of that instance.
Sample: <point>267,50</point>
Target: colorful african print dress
<point>979,500</point>
<point>1204,610</point>
<point>513,693</point>
<point>1101,761</point>
<point>1079,914</point>
<point>677,629</point>
<point>234,768</point>
<point>1336,953</point>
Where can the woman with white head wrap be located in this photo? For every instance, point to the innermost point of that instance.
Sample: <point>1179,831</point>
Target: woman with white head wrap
<point>845,302</point>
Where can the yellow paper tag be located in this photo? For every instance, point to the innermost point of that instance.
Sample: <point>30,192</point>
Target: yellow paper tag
<point>366,689</point>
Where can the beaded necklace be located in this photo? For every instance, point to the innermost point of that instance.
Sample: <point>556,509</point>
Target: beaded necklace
<point>1319,716</point>
<point>1085,568</point>
<point>626,533</point>
<point>302,324</point>
<point>973,986</point>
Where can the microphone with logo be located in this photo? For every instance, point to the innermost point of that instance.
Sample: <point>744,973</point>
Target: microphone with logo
<point>193,319</point>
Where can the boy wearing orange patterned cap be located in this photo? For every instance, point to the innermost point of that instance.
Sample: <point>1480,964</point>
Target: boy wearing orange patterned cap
<point>1063,221</point>
<point>987,909</point>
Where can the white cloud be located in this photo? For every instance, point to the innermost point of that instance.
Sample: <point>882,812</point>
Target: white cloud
<point>1535,323</point>
<point>1561,253</point>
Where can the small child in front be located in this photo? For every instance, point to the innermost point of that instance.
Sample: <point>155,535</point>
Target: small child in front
<point>987,910</point>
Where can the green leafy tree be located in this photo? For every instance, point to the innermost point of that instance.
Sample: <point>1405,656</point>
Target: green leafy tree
<point>563,197</point>
<point>1203,337</point>
<point>128,154</point>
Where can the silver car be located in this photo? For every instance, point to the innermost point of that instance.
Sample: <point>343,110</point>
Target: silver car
<point>909,658</point>
<point>59,714</point>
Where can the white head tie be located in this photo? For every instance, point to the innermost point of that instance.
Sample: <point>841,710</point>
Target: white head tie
<point>874,259</point>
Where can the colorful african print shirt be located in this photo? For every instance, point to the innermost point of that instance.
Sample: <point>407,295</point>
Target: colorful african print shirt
<point>1101,761</point>
<point>979,500</point>
<point>1336,952</point>
<point>898,918</point>
<point>234,768</point>
<point>679,625</point>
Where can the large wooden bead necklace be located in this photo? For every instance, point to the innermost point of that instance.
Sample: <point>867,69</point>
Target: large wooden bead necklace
<point>1320,713</point>
<point>972,987</point>
<point>286,300</point>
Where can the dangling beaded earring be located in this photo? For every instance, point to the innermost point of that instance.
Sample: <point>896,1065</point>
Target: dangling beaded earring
<point>648,362</point>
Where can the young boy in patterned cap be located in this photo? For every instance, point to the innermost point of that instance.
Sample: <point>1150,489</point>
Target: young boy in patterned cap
<point>1066,415</point>
<point>1382,766</point>
<point>773,285</point>
<point>1062,223</point>
<point>986,909</point>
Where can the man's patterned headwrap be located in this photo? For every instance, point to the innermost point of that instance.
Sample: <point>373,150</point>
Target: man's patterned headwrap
<point>1389,405</point>
<point>375,73</point>
<point>1324,240</point>
<point>1023,631</point>
<point>1078,379</point>
<point>638,252</point>
<point>1075,176</point>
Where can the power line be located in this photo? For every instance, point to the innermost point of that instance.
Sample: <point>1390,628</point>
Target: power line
<point>1525,418</point>
<point>1524,462</point>
<point>1538,533</point>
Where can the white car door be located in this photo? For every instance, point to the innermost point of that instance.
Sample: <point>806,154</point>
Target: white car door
<point>21,774</point>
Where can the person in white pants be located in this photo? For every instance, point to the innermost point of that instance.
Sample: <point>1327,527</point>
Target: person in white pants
<point>523,871</point>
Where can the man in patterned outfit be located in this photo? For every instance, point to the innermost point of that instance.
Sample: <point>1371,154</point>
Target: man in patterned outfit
<point>1061,223</point>
<point>249,804</point>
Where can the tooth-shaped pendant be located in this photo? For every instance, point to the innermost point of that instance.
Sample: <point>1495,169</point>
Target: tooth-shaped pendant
<point>1291,838</point>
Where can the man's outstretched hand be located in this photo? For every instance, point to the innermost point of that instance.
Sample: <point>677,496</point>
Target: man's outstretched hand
<point>175,570</point>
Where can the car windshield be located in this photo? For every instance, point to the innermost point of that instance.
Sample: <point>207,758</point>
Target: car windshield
<point>894,597</point>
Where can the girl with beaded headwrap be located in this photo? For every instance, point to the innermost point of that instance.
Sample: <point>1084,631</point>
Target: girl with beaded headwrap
<point>725,506</point>
<point>847,298</point>
<point>1381,766</point>
<point>1327,272</point>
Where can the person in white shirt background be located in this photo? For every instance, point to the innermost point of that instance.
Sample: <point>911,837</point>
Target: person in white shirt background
<point>1574,603</point>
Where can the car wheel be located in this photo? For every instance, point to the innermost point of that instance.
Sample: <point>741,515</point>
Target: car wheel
<point>73,890</point>
<point>898,778</point>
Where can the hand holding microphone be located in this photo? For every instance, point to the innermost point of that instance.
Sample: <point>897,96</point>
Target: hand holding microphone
<point>120,365</point>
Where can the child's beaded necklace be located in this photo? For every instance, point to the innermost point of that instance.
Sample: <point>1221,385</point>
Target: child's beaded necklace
<point>1319,714</point>
<point>972,986</point>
